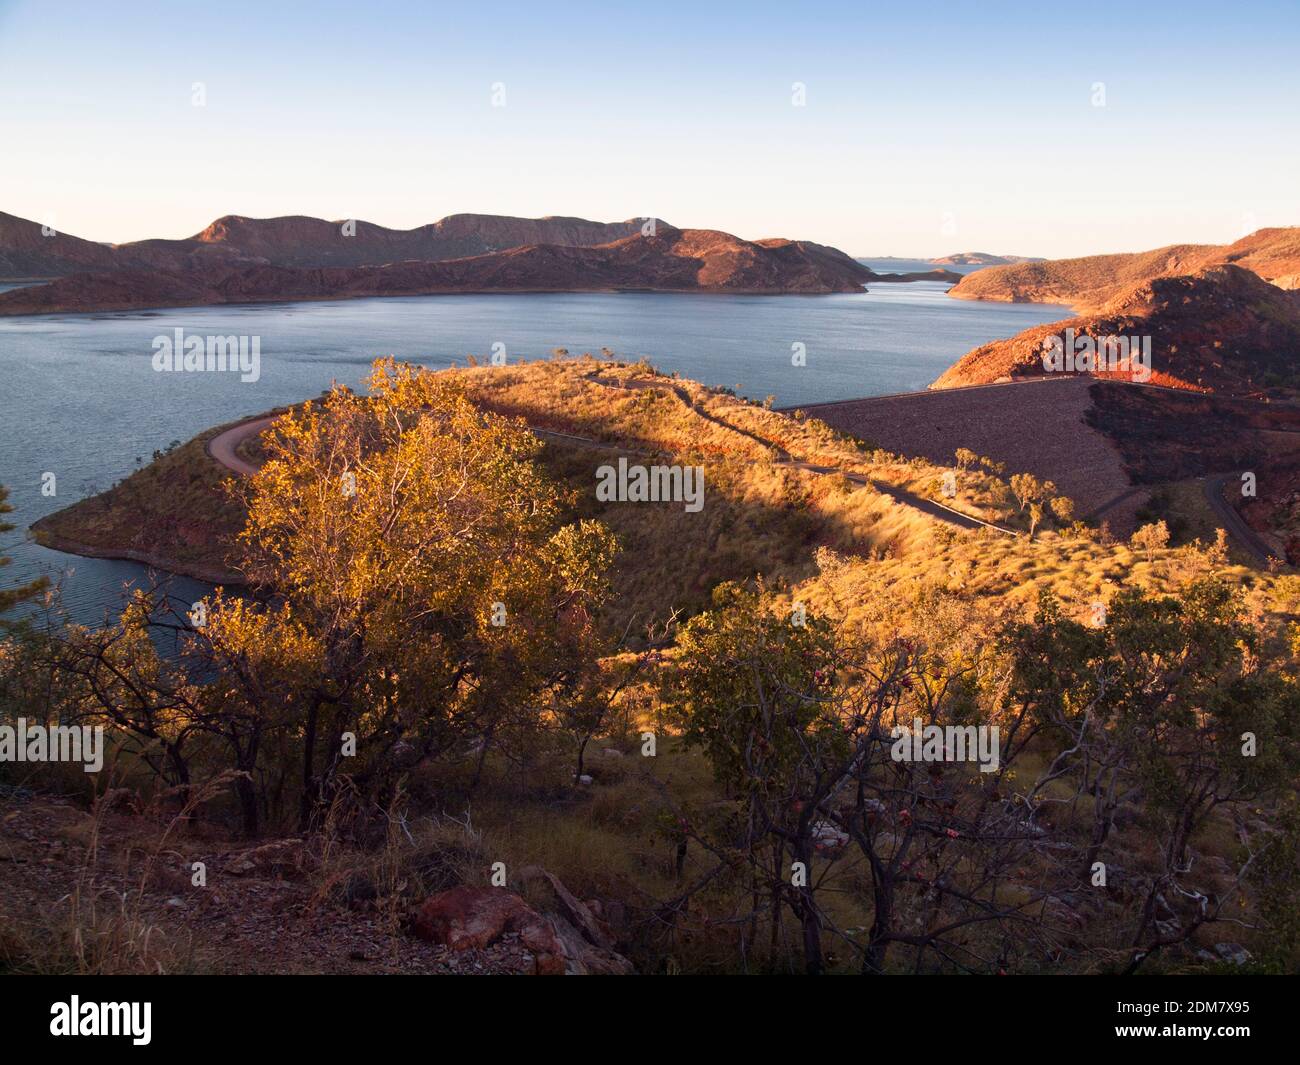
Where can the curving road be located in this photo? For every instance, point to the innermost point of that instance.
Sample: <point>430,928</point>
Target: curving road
<point>224,448</point>
<point>1247,538</point>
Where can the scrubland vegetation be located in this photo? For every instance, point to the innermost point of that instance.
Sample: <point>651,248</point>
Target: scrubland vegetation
<point>450,655</point>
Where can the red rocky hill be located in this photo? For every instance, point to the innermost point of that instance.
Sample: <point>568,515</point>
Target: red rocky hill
<point>686,260</point>
<point>1220,330</point>
<point>1089,283</point>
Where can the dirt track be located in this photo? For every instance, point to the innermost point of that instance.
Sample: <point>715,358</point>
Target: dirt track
<point>1247,537</point>
<point>224,448</point>
<point>1033,426</point>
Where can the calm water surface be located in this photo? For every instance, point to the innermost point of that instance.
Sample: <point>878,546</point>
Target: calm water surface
<point>80,398</point>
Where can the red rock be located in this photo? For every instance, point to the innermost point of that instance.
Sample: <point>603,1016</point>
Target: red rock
<point>466,918</point>
<point>1222,330</point>
<point>1089,282</point>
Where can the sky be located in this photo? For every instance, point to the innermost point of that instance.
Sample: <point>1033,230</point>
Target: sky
<point>883,129</point>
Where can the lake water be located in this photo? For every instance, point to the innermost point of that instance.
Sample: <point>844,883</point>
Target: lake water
<point>80,397</point>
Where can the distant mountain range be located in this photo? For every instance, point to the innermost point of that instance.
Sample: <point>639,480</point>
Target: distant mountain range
<point>247,260</point>
<point>1088,283</point>
<point>1221,329</point>
<point>28,250</point>
<point>982,258</point>
<point>960,258</point>
<point>1221,318</point>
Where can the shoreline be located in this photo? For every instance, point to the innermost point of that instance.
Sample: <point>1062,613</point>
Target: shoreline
<point>197,571</point>
<point>1099,484</point>
<point>128,308</point>
<point>220,446</point>
<point>109,307</point>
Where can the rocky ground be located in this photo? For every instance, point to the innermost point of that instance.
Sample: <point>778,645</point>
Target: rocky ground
<point>265,908</point>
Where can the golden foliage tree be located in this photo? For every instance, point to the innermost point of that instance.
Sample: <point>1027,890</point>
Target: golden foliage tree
<point>425,579</point>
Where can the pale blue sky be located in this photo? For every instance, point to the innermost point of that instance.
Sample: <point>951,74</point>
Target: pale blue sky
<point>928,127</point>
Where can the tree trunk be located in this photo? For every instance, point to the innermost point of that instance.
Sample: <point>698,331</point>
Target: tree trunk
<point>774,940</point>
<point>809,918</point>
<point>582,750</point>
<point>482,758</point>
<point>247,805</point>
<point>873,961</point>
<point>308,765</point>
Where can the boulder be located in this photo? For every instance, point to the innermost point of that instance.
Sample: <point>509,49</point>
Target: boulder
<point>282,857</point>
<point>575,940</point>
<point>1232,952</point>
<point>467,917</point>
<point>828,838</point>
